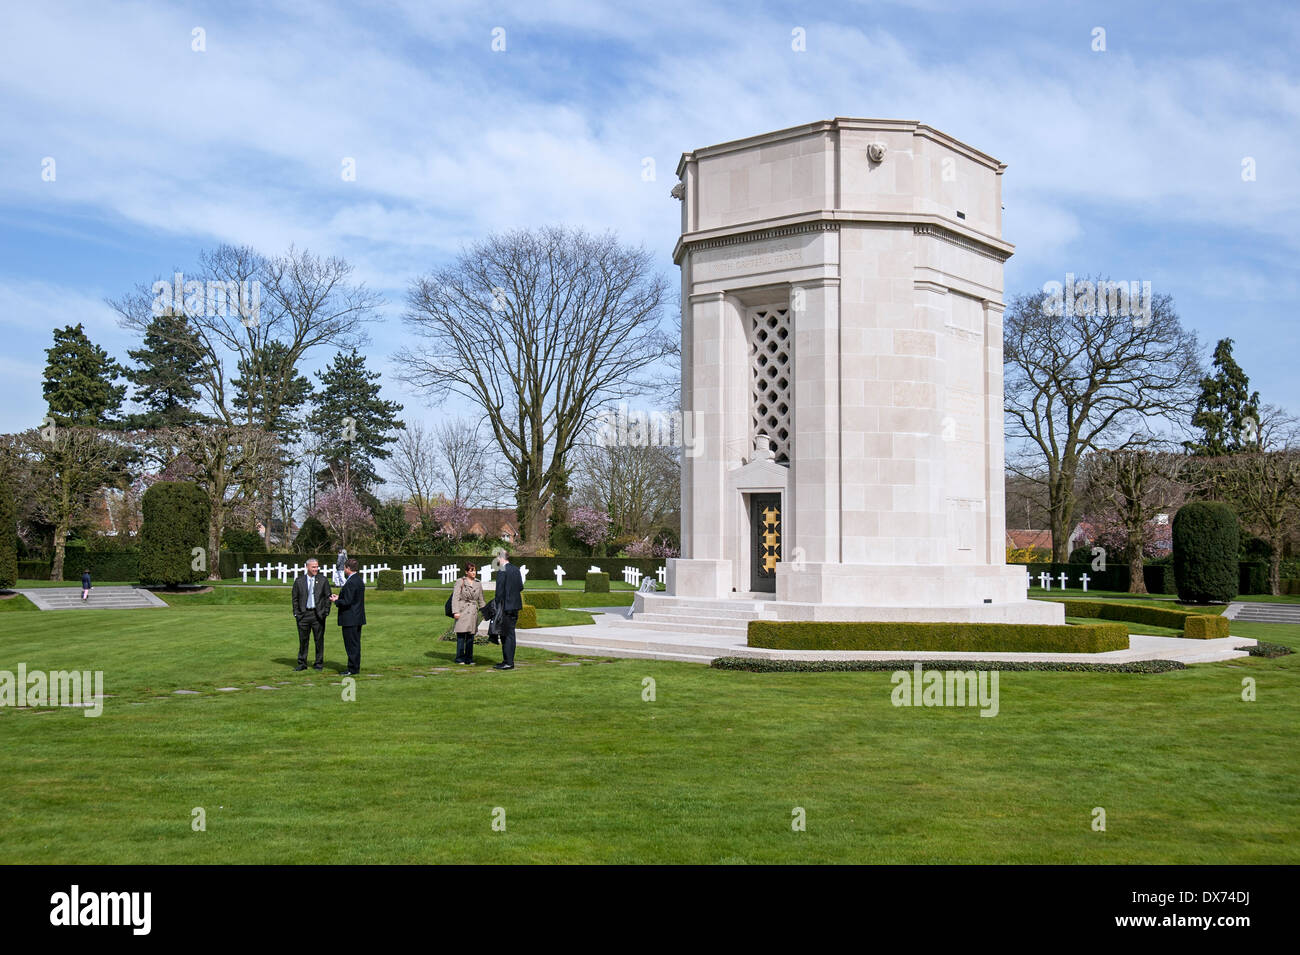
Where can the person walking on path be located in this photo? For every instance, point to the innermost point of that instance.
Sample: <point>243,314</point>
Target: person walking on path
<point>85,585</point>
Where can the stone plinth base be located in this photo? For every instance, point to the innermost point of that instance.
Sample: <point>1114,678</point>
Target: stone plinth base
<point>698,578</point>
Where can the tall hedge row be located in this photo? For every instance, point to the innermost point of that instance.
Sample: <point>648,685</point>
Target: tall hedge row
<point>1206,538</point>
<point>176,517</point>
<point>8,537</point>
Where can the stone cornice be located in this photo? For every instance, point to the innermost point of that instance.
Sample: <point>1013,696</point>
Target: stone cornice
<point>830,220</point>
<point>962,241</point>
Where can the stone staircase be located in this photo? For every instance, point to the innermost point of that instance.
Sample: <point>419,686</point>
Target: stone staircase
<point>1264,612</point>
<point>101,598</point>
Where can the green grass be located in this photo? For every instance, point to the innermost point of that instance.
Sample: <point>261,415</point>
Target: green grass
<point>588,771</point>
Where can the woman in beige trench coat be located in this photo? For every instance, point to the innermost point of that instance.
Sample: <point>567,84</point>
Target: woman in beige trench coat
<point>466,601</point>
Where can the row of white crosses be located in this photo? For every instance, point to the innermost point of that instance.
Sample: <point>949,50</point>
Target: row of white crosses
<point>373,571</point>
<point>1045,580</point>
<point>448,573</point>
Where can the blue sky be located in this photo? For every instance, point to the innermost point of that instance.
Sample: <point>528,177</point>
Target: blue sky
<point>1126,162</point>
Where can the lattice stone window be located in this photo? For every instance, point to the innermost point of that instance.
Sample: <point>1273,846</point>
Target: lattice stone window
<point>770,373</point>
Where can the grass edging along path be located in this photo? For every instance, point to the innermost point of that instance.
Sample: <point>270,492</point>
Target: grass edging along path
<point>588,770</point>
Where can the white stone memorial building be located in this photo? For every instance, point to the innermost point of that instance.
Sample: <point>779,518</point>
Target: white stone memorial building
<point>842,361</point>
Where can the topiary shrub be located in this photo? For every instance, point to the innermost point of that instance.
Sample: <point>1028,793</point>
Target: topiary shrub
<point>176,515</point>
<point>527,618</point>
<point>544,599</point>
<point>565,542</point>
<point>311,537</point>
<point>241,540</point>
<point>596,583</point>
<point>1081,555</point>
<point>8,537</point>
<point>389,580</point>
<point>1206,537</point>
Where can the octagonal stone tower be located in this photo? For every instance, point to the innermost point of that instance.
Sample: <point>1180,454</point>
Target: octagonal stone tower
<point>842,359</point>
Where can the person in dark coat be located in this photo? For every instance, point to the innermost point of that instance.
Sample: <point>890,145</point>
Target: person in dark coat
<point>85,584</point>
<point>311,606</point>
<point>351,601</point>
<point>509,601</point>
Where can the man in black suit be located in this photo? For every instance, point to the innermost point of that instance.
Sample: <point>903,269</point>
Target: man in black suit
<point>509,601</point>
<point>311,605</point>
<point>351,600</point>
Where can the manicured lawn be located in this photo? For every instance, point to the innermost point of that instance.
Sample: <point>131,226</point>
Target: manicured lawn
<point>588,771</point>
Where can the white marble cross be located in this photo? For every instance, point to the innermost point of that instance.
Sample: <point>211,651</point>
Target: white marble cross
<point>447,572</point>
<point>1045,580</point>
<point>486,572</point>
<point>244,572</point>
<point>523,572</point>
<point>1085,578</point>
<point>1063,580</point>
<point>662,574</point>
<point>559,576</point>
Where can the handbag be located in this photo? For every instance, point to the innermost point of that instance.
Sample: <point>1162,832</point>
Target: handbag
<point>447,608</point>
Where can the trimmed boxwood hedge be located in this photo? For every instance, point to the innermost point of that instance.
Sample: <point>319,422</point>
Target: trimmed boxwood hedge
<point>1206,540</point>
<point>121,564</point>
<point>1252,577</point>
<point>40,570</point>
<point>389,580</point>
<point>527,618</point>
<point>545,599</point>
<point>596,584</point>
<point>1195,626</point>
<point>970,637</point>
<point>757,665</point>
<point>175,523</point>
<point>8,537</point>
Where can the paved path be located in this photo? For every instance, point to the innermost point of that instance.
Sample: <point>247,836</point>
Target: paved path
<point>1252,612</point>
<point>101,598</point>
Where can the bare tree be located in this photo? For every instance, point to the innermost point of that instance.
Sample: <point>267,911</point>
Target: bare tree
<point>1077,379</point>
<point>414,467</point>
<point>242,307</point>
<point>637,486</point>
<point>1134,485</point>
<point>69,468</point>
<point>537,327</point>
<point>461,457</point>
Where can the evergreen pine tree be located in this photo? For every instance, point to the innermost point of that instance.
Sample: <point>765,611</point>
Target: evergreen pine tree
<point>165,374</point>
<point>79,380</point>
<point>359,424</point>
<point>266,372</point>
<point>1227,412</point>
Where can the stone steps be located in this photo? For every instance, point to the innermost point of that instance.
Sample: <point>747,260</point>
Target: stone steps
<point>103,598</point>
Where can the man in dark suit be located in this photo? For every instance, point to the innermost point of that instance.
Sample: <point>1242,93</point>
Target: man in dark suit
<point>509,601</point>
<point>351,600</point>
<point>311,605</point>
